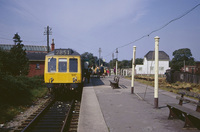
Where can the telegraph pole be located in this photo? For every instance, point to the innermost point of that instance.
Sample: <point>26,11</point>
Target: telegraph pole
<point>99,55</point>
<point>48,32</point>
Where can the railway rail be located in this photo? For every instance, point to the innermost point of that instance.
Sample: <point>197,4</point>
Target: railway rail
<point>54,116</point>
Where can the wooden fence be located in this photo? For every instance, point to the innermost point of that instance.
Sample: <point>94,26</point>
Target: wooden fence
<point>185,77</point>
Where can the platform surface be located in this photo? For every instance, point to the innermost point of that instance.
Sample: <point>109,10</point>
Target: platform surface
<point>104,109</point>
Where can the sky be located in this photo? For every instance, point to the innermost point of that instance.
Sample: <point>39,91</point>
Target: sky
<point>87,25</point>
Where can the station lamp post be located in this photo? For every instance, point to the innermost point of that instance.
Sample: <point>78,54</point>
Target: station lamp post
<point>133,70</point>
<point>112,60</point>
<point>116,60</point>
<point>156,71</point>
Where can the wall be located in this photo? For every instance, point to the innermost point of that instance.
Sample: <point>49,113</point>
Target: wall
<point>33,71</point>
<point>148,67</point>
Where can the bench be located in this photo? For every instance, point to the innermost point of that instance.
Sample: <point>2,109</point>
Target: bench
<point>115,82</point>
<point>189,116</point>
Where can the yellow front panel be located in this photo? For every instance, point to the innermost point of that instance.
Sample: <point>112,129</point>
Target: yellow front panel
<point>62,77</point>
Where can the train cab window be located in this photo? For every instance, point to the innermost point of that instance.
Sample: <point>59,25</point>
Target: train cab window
<point>52,65</point>
<point>62,65</point>
<point>73,65</point>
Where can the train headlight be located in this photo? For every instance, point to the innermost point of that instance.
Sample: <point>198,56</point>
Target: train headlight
<point>74,79</point>
<point>51,80</point>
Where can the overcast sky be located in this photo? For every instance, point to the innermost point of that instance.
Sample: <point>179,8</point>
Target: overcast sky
<point>87,25</point>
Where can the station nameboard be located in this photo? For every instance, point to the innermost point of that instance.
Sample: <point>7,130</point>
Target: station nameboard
<point>62,51</point>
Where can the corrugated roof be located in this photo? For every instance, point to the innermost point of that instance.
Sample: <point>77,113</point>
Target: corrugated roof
<point>162,55</point>
<point>26,47</point>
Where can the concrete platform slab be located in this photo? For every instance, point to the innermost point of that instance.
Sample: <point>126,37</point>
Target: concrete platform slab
<point>91,118</point>
<point>117,110</point>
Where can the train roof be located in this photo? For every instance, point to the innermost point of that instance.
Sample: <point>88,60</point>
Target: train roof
<point>63,52</point>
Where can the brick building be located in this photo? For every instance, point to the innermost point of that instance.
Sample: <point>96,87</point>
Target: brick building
<point>36,64</point>
<point>192,69</point>
<point>36,56</point>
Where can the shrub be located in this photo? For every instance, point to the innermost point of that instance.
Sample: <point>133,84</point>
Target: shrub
<point>18,90</point>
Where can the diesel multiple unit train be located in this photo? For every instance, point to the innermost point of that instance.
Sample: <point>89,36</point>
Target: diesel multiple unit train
<point>63,71</point>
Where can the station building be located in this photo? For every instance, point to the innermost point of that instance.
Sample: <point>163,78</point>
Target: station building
<point>36,56</point>
<point>149,63</point>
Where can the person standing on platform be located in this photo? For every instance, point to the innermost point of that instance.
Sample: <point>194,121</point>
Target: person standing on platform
<point>108,72</point>
<point>88,72</point>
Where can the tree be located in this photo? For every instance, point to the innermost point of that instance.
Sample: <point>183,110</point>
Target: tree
<point>19,64</point>
<point>139,61</point>
<point>89,57</point>
<point>124,64</point>
<point>16,39</point>
<point>112,63</point>
<point>181,56</point>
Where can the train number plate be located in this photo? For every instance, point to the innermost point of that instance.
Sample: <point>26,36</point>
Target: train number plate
<point>62,51</point>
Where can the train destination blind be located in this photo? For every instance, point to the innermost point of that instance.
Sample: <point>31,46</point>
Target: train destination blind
<point>62,51</point>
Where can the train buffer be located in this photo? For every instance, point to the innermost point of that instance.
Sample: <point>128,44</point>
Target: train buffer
<point>189,116</point>
<point>115,82</point>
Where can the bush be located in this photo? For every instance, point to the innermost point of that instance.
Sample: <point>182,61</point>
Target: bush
<point>18,90</point>
<point>17,93</point>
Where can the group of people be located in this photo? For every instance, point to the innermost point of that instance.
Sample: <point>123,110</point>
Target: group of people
<point>99,71</point>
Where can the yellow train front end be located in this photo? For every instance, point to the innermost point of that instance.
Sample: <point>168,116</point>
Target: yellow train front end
<point>63,70</point>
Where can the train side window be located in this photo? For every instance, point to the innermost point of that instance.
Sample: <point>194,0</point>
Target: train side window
<point>73,65</point>
<point>52,65</point>
<point>62,65</point>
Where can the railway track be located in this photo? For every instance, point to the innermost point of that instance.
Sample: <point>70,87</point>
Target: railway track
<point>54,116</point>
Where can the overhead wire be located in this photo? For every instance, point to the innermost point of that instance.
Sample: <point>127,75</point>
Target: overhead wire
<point>153,31</point>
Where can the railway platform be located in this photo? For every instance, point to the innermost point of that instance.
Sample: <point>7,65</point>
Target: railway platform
<point>104,109</point>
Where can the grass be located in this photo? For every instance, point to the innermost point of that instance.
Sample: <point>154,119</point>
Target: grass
<point>173,87</point>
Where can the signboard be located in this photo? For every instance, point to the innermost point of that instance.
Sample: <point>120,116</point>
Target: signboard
<point>62,51</point>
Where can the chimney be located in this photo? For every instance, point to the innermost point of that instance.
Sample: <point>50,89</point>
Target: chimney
<point>52,45</point>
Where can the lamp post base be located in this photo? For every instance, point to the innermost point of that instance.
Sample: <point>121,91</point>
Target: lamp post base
<point>156,103</point>
<point>132,90</point>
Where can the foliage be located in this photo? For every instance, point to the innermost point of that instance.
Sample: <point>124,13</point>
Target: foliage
<point>139,61</point>
<point>124,64</point>
<point>18,92</point>
<point>5,62</point>
<point>93,60</point>
<point>19,61</point>
<point>112,63</point>
<point>89,57</point>
<point>180,56</point>
<point>14,62</point>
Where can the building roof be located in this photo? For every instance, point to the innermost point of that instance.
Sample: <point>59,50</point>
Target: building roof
<point>32,48</point>
<point>36,56</point>
<point>162,55</point>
